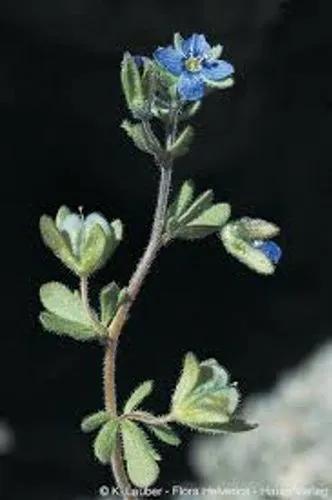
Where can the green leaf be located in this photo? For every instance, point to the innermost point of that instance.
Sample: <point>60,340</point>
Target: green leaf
<point>105,442</point>
<point>143,140</point>
<point>93,422</point>
<point>117,227</point>
<point>244,251</point>
<point>140,458</point>
<point>183,199</point>
<point>109,302</point>
<point>233,426</point>
<point>139,394</point>
<point>187,381</point>
<point>94,250</point>
<point>190,110</point>
<point>207,223</point>
<point>181,145</point>
<point>202,203</point>
<point>54,240</point>
<point>61,301</point>
<point>55,324</point>
<point>165,433</point>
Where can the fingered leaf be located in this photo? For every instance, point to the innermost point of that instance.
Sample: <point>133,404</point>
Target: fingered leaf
<point>54,240</point>
<point>187,381</point>
<point>93,422</point>
<point>109,302</point>
<point>183,199</point>
<point>165,433</point>
<point>244,251</point>
<point>183,142</point>
<point>55,324</point>
<point>143,140</point>
<point>193,416</point>
<point>105,442</point>
<point>140,457</point>
<point>139,394</point>
<point>94,250</point>
<point>202,203</point>
<point>233,426</point>
<point>207,223</point>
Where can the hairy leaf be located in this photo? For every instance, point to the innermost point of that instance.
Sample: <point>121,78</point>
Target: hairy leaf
<point>108,302</point>
<point>233,426</point>
<point>165,433</point>
<point>61,326</point>
<point>139,394</point>
<point>142,467</point>
<point>93,422</point>
<point>146,142</point>
<point>105,442</point>
<point>183,142</point>
<point>61,301</point>
<point>202,203</point>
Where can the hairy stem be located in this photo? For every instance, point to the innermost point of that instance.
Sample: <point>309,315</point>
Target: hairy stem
<point>134,287</point>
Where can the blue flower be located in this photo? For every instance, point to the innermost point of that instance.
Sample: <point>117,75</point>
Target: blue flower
<point>195,63</point>
<point>269,248</point>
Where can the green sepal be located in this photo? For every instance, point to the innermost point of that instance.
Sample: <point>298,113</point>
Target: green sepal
<point>257,229</point>
<point>54,240</point>
<point>62,213</point>
<point>187,380</point>
<point>178,41</point>
<point>216,51</point>
<point>105,441</point>
<point>93,422</point>
<point>181,145</point>
<point>132,84</point>
<point>190,110</point>
<point>221,84</point>
<point>139,454</point>
<point>108,298</point>
<point>94,252</point>
<point>209,222</point>
<point>233,426</point>
<point>232,237</point>
<point>65,313</point>
<point>165,433</point>
<point>143,140</point>
<point>140,393</point>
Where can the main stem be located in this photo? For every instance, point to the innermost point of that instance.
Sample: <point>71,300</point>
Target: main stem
<point>134,286</point>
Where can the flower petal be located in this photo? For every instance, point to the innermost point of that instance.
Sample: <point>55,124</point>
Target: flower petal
<point>270,249</point>
<point>196,45</point>
<point>191,87</point>
<point>217,70</point>
<point>170,58</point>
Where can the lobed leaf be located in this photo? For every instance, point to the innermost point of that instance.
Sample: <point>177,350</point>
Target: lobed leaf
<point>181,145</point>
<point>61,326</point>
<point>140,457</point>
<point>233,426</point>
<point>202,203</point>
<point>108,298</point>
<point>165,433</point>
<point>93,422</point>
<point>61,301</point>
<point>147,143</point>
<point>105,441</point>
<point>207,223</point>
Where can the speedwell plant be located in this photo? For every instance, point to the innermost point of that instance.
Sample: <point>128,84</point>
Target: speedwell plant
<point>166,90</point>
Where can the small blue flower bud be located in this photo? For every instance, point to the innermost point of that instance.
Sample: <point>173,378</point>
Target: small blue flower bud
<point>270,249</point>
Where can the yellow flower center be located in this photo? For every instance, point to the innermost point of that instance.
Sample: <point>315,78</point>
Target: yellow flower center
<point>193,64</point>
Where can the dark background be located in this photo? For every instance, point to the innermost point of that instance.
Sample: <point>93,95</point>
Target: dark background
<point>264,146</point>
